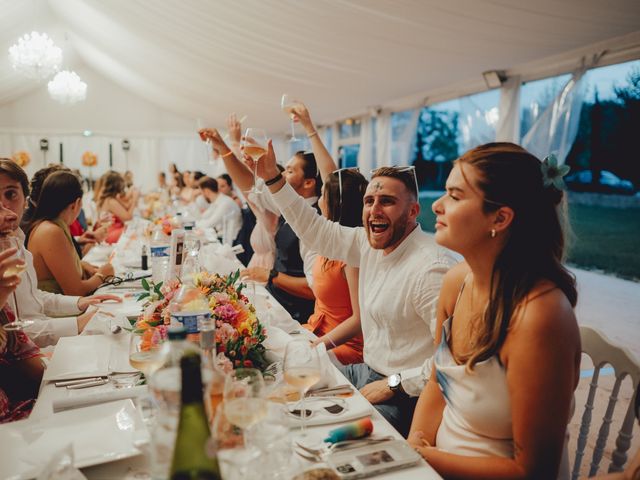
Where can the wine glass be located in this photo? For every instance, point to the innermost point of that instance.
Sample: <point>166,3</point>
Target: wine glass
<point>244,405</point>
<point>301,370</point>
<point>254,144</point>
<point>148,351</point>
<point>287,103</point>
<point>7,242</point>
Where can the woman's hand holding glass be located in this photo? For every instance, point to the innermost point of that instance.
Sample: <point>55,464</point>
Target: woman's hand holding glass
<point>12,264</point>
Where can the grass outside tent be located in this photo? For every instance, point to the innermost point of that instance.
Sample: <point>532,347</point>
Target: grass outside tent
<point>604,239</point>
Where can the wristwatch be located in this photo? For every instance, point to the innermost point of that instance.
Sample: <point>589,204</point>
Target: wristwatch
<point>272,274</point>
<point>394,382</point>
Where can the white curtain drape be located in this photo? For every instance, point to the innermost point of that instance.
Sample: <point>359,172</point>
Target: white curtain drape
<point>477,125</point>
<point>147,156</point>
<point>508,128</point>
<point>335,135</point>
<point>365,153</point>
<point>404,140</point>
<point>556,129</point>
<point>383,139</point>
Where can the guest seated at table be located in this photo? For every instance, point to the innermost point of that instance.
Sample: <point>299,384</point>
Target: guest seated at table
<point>225,185</point>
<point>35,304</point>
<point>291,278</point>
<point>335,284</point>
<point>85,239</point>
<point>223,214</point>
<point>177,185</point>
<point>508,356</point>
<point>401,271</point>
<point>112,200</point>
<point>55,259</point>
<point>21,367</point>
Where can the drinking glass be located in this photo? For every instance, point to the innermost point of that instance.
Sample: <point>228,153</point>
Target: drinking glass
<point>301,370</point>
<point>148,351</point>
<point>287,103</point>
<point>244,404</point>
<point>254,144</point>
<point>7,242</point>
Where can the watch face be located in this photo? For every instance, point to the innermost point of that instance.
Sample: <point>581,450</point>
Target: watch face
<point>394,380</point>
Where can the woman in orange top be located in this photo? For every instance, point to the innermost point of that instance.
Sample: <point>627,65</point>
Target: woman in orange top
<point>335,284</point>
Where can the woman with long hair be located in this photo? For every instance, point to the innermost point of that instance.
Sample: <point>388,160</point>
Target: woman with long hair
<point>498,401</point>
<point>335,284</point>
<point>55,259</point>
<point>113,201</point>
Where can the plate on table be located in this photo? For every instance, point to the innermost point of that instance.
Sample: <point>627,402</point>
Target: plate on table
<point>99,434</point>
<point>79,357</point>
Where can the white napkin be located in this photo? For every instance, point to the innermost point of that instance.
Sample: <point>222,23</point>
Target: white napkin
<point>95,398</point>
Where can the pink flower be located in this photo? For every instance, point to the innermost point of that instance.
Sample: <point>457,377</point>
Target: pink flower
<point>223,363</point>
<point>225,313</point>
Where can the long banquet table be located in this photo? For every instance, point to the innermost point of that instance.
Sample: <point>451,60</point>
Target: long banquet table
<point>139,466</point>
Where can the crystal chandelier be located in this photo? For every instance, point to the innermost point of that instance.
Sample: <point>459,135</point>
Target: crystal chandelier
<point>35,56</point>
<point>67,88</point>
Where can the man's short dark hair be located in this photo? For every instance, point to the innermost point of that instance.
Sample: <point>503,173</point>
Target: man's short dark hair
<point>208,183</point>
<point>197,175</point>
<point>405,174</point>
<point>310,169</point>
<point>227,178</point>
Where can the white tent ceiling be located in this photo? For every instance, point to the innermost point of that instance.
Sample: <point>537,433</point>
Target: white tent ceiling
<point>204,59</point>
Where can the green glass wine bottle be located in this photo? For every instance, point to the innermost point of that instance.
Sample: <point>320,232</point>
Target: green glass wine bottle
<point>191,460</point>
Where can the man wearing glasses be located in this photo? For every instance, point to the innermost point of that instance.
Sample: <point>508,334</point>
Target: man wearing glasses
<point>401,271</point>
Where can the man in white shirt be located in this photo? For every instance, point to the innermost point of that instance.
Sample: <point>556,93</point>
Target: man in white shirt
<point>223,213</point>
<point>401,271</point>
<point>34,304</point>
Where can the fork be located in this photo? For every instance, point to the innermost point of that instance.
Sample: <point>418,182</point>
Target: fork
<point>318,453</point>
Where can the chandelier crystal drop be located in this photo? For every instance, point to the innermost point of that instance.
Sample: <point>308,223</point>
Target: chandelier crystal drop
<point>35,56</point>
<point>67,88</point>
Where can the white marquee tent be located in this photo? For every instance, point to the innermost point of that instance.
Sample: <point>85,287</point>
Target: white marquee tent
<point>153,68</point>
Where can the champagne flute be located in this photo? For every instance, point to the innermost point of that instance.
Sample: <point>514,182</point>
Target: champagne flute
<point>287,103</point>
<point>254,144</point>
<point>7,242</point>
<point>301,370</point>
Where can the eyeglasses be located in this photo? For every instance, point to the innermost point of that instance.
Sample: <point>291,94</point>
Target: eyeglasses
<point>334,406</point>
<point>339,172</point>
<point>114,281</point>
<point>398,169</point>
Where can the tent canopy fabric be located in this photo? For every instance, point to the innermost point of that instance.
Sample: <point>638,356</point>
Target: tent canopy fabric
<point>204,59</point>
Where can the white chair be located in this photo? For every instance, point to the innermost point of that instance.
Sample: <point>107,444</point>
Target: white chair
<point>603,352</point>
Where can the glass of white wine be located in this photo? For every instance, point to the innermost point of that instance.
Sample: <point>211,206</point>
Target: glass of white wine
<point>7,242</point>
<point>301,370</point>
<point>287,102</point>
<point>244,403</point>
<point>254,144</point>
<point>148,351</point>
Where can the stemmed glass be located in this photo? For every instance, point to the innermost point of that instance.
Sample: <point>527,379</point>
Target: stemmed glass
<point>148,351</point>
<point>7,242</point>
<point>244,405</point>
<point>301,370</point>
<point>287,103</point>
<point>254,144</point>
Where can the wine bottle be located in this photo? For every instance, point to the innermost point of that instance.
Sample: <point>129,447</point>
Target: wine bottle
<point>191,461</point>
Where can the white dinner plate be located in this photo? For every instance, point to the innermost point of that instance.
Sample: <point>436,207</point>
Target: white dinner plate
<point>99,434</point>
<point>78,357</point>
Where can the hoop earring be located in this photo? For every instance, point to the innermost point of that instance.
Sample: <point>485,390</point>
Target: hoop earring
<point>493,233</point>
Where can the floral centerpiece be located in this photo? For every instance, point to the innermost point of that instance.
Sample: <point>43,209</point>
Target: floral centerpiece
<point>22,158</point>
<point>239,333</point>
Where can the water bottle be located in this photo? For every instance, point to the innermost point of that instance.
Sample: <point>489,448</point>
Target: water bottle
<point>160,245</point>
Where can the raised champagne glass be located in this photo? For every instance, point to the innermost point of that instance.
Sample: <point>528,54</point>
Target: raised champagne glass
<point>287,103</point>
<point>254,144</point>
<point>6,243</point>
